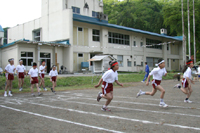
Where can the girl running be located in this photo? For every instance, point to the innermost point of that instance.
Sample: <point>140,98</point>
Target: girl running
<point>10,70</point>
<point>42,70</point>
<point>157,77</point>
<point>186,82</point>
<point>108,79</point>
<point>33,74</point>
<point>53,76</point>
<point>20,73</point>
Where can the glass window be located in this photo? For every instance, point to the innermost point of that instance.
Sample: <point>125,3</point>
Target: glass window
<point>27,58</point>
<point>153,44</point>
<point>134,63</point>
<point>151,61</point>
<point>80,55</point>
<point>76,10</point>
<point>36,35</point>
<point>30,62</point>
<point>45,55</point>
<point>129,63</point>
<point>96,35</point>
<point>95,14</point>
<point>120,60</point>
<point>117,38</point>
<point>134,43</point>
<point>141,63</point>
<point>80,29</point>
<point>167,46</point>
<point>141,44</point>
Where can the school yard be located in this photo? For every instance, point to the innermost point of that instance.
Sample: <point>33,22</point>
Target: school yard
<point>78,111</point>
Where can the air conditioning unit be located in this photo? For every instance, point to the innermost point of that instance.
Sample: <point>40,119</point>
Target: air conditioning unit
<point>102,16</point>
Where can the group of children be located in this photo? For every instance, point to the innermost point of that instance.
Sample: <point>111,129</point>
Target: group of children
<point>33,74</point>
<point>111,76</point>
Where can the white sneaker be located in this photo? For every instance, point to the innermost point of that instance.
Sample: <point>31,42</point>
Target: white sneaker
<point>5,95</point>
<point>187,101</point>
<point>20,89</point>
<point>138,94</point>
<point>162,104</point>
<point>39,89</point>
<point>45,89</point>
<point>142,81</point>
<point>9,94</point>
<point>177,86</point>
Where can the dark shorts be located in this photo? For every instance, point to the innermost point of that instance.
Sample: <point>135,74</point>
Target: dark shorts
<point>107,87</point>
<point>155,83</point>
<point>53,78</point>
<point>184,83</point>
<point>10,77</point>
<point>199,76</point>
<point>41,75</point>
<point>21,75</point>
<point>35,80</point>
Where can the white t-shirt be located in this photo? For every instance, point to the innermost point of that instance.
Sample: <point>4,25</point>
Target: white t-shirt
<point>42,68</point>
<point>53,73</point>
<point>158,73</point>
<point>199,70</point>
<point>10,68</point>
<point>20,68</point>
<point>188,73</point>
<point>110,76</point>
<point>33,72</point>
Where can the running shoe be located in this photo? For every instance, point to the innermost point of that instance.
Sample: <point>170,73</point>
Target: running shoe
<point>40,94</point>
<point>39,88</point>
<point>33,94</point>
<point>45,89</point>
<point>5,95</point>
<point>177,86</point>
<point>142,81</point>
<point>99,96</point>
<point>20,89</point>
<point>54,92</point>
<point>105,109</point>
<point>52,89</point>
<point>187,101</point>
<point>162,104</point>
<point>9,94</point>
<point>138,94</point>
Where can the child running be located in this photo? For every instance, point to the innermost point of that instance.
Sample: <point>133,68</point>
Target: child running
<point>42,71</point>
<point>33,74</point>
<point>108,79</point>
<point>10,70</point>
<point>186,82</point>
<point>20,73</point>
<point>157,77</point>
<point>53,76</point>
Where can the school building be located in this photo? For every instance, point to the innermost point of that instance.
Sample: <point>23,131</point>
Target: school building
<point>73,31</point>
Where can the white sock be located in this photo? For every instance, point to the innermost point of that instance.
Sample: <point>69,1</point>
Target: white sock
<point>5,92</point>
<point>142,93</point>
<point>104,106</point>
<point>9,92</point>
<point>161,100</point>
<point>101,95</point>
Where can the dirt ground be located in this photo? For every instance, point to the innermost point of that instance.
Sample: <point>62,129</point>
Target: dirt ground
<point>78,111</point>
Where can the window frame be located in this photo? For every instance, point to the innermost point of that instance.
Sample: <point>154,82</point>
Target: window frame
<point>129,63</point>
<point>27,58</point>
<point>153,42</point>
<point>95,14</point>
<point>76,10</point>
<point>120,62</point>
<point>80,56</point>
<point>117,38</point>
<point>95,35</point>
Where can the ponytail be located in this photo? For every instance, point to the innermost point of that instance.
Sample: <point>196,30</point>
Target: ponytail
<point>185,68</point>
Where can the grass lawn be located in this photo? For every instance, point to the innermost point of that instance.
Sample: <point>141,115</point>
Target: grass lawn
<point>71,83</point>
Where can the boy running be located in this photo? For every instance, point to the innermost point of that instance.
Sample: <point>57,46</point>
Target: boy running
<point>53,77</point>
<point>20,73</point>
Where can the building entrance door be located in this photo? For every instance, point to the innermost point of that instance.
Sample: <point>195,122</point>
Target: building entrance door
<point>47,58</point>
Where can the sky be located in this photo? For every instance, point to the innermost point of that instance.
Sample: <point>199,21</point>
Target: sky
<point>13,12</point>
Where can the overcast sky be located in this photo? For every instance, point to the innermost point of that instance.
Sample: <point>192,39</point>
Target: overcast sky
<point>13,12</point>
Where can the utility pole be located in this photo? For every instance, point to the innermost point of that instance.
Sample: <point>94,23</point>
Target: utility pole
<point>183,32</point>
<point>188,4</point>
<point>194,32</point>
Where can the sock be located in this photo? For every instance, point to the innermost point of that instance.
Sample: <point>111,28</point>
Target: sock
<point>5,92</point>
<point>186,99</point>
<point>104,106</point>
<point>161,100</point>
<point>101,95</point>
<point>9,92</point>
<point>142,93</point>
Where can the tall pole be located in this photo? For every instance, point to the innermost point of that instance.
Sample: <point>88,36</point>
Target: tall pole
<point>183,32</point>
<point>194,32</point>
<point>188,2</point>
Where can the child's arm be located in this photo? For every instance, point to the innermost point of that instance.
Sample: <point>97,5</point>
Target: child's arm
<point>147,83</point>
<point>118,83</point>
<point>100,81</point>
<point>30,78</point>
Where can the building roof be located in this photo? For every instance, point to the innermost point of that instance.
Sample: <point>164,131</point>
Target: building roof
<point>100,57</point>
<point>96,21</point>
<point>64,43</point>
<point>1,29</point>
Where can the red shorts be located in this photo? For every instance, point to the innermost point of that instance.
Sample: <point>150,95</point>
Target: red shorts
<point>21,75</point>
<point>10,77</point>
<point>155,83</point>
<point>35,80</point>
<point>41,75</point>
<point>53,78</point>
<point>107,87</point>
<point>184,83</point>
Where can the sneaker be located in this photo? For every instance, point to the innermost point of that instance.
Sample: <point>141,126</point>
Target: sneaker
<point>99,96</point>
<point>5,95</point>
<point>39,88</point>
<point>54,92</point>
<point>33,94</point>
<point>52,89</point>
<point>177,86</point>
<point>20,89</point>
<point>162,104</point>
<point>40,94</point>
<point>138,94</point>
<point>45,89</point>
<point>105,109</point>
<point>187,101</point>
<point>9,94</point>
<point>142,81</point>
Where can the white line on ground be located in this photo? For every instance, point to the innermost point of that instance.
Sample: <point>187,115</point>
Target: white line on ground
<point>62,120</point>
<point>117,117</point>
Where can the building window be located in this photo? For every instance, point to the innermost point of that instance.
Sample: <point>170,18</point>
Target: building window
<point>95,14</point>
<point>117,38</point>
<point>141,63</point>
<point>120,60</point>
<point>96,35</point>
<point>80,55</point>
<point>167,46</point>
<point>45,55</point>
<point>151,61</point>
<point>167,62</point>
<point>134,63</point>
<point>134,43</point>
<point>141,44</point>
<point>129,63</point>
<point>36,35</point>
<point>153,44</point>
<point>27,58</point>
<point>80,29</point>
<point>76,10</point>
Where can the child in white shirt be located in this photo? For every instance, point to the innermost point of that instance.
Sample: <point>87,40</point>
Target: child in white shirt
<point>42,70</point>
<point>21,70</point>
<point>53,77</point>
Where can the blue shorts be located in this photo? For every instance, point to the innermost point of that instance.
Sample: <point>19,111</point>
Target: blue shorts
<point>199,76</point>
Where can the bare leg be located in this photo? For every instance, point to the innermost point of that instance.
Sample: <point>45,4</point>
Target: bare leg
<point>160,88</point>
<point>32,85</point>
<point>19,83</point>
<point>22,82</point>
<point>37,87</point>
<point>189,92</point>
<point>109,97</point>
<point>7,85</point>
<point>10,85</point>
<point>152,93</point>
